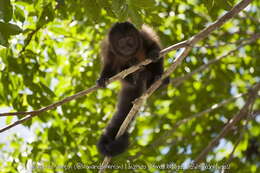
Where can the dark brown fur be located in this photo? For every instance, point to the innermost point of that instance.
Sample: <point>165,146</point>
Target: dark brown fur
<point>119,53</point>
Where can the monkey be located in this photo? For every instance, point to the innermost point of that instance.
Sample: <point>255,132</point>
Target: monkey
<point>124,47</point>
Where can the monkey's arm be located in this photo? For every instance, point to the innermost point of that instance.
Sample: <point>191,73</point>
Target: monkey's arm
<point>109,70</point>
<point>153,51</point>
<point>106,73</point>
<point>156,67</point>
<point>151,43</point>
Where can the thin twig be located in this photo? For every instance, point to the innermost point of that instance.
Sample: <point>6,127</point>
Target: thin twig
<point>52,106</point>
<point>238,42</point>
<point>29,39</point>
<point>177,81</point>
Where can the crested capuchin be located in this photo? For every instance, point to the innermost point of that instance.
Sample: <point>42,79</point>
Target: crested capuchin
<point>124,47</point>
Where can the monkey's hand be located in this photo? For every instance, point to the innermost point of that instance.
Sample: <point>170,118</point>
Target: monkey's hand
<point>156,77</point>
<point>154,55</point>
<point>101,82</point>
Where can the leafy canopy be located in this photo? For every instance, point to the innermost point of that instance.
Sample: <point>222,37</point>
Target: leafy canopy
<point>50,50</point>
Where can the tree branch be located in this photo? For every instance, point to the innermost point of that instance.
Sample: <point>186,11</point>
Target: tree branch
<point>241,114</point>
<point>241,135</point>
<point>29,39</point>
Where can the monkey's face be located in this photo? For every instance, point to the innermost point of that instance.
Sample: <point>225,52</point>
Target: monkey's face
<point>127,45</point>
<point>124,39</point>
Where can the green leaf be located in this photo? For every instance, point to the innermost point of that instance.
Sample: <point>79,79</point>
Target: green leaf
<point>9,119</point>
<point>224,4</point>
<point>47,90</point>
<point>120,8</point>
<point>6,10</point>
<point>143,3</point>
<point>208,4</point>
<point>19,14</point>
<point>52,134</point>
<point>46,16</point>
<point>3,40</point>
<point>135,16</point>
<point>103,3</point>
<point>117,4</point>
<point>92,10</point>
<point>9,29</point>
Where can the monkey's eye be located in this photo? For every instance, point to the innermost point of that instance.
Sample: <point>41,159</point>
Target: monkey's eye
<point>126,41</point>
<point>122,41</point>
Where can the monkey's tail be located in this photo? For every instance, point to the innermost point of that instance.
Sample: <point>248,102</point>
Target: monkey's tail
<point>109,146</point>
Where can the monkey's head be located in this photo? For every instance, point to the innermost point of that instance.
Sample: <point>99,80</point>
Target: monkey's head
<point>124,39</point>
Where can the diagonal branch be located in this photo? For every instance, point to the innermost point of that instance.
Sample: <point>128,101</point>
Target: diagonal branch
<point>240,115</point>
<point>240,138</point>
<point>191,42</point>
